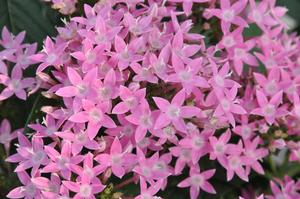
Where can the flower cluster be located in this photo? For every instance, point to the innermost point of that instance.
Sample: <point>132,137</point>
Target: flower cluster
<point>145,96</point>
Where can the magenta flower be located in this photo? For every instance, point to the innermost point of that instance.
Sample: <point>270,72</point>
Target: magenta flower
<point>130,100</point>
<point>30,155</point>
<point>117,159</point>
<point>6,135</point>
<point>143,118</point>
<point>228,104</point>
<point>269,109</point>
<point>95,116</point>
<point>29,190</point>
<point>51,55</point>
<point>174,112</point>
<point>188,75</point>
<point>229,14</point>
<point>61,162</point>
<point>16,84</point>
<point>188,4</point>
<point>79,140</point>
<point>9,41</point>
<point>254,155</point>
<point>80,87</point>
<point>84,188</point>
<point>89,56</point>
<point>198,181</point>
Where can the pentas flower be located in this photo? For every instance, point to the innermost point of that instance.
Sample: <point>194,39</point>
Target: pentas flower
<point>130,100</point>
<point>85,188</point>
<point>22,56</point>
<point>88,169</point>
<point>181,50</point>
<point>254,154</point>
<point>89,56</point>
<point>6,135</point>
<point>15,84</point>
<point>235,163</point>
<point>137,26</point>
<point>50,188</point>
<point>107,89</point>
<point>51,126</point>
<point>228,104</point>
<point>188,4</point>
<point>221,148</point>
<point>143,118</point>
<point>259,197</point>
<point>29,190</point>
<point>184,157</point>
<point>127,53</point>
<point>79,139</point>
<point>220,78</point>
<point>187,75</point>
<point>144,73</point>
<point>229,14</point>
<point>9,41</point>
<point>95,115</point>
<point>174,112</point>
<point>103,34</point>
<point>160,63</point>
<point>61,162</point>
<point>80,87</point>
<point>198,144</point>
<point>269,109</point>
<point>153,168</point>
<point>246,129</point>
<point>149,192</point>
<point>240,55</point>
<point>198,181</point>
<point>30,154</point>
<point>271,84</point>
<point>117,159</point>
<point>51,55</point>
<point>287,188</point>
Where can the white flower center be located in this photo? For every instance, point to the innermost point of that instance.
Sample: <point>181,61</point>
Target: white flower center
<point>228,41</point>
<point>38,157</point>
<point>85,190</point>
<point>269,110</point>
<point>228,15</point>
<point>197,180</point>
<point>51,58</point>
<point>173,112</point>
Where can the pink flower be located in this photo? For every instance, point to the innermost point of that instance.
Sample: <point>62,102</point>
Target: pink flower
<point>95,115</point>
<point>228,104</point>
<point>80,87</point>
<point>187,75</point>
<point>89,56</point>
<point>84,188</point>
<point>229,14</point>
<point>51,55</point>
<point>269,109</point>
<point>16,84</point>
<point>130,100</point>
<point>143,117</point>
<point>117,159</point>
<point>188,4</point>
<point>174,112</point>
<point>61,162</point>
<point>29,190</point>
<point>6,135</point>
<point>198,181</point>
<point>30,155</point>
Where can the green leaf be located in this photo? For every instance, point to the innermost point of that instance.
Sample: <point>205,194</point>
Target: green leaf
<point>33,16</point>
